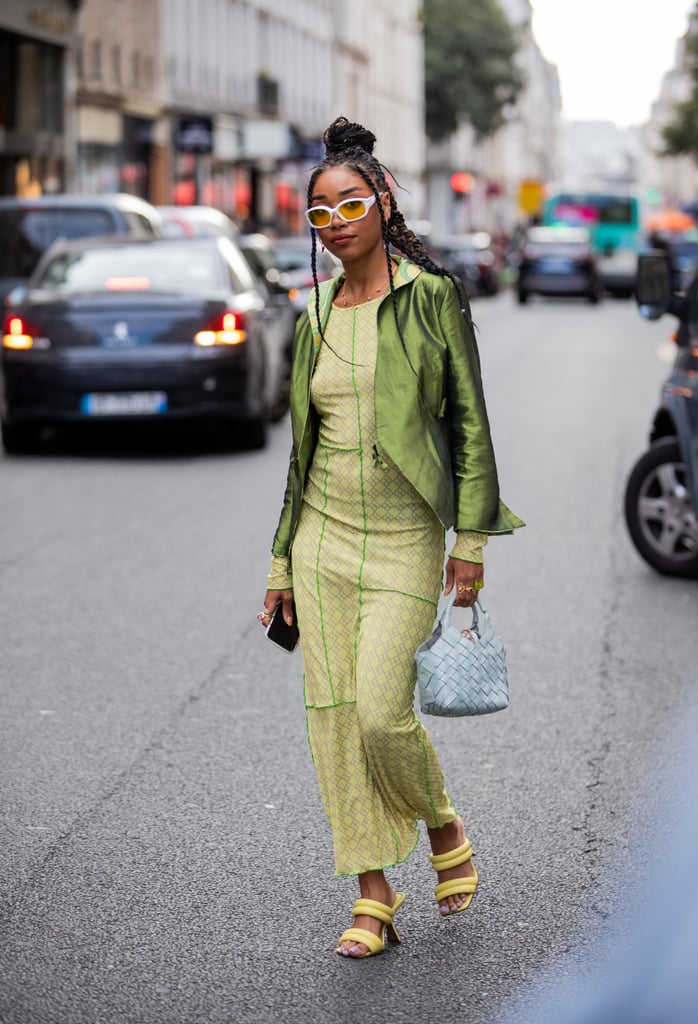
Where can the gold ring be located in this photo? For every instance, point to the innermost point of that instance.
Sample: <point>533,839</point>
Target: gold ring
<point>264,614</point>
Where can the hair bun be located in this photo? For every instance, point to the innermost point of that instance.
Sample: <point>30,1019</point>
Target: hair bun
<point>345,135</point>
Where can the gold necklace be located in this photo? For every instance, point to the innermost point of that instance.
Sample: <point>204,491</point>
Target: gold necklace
<point>345,297</point>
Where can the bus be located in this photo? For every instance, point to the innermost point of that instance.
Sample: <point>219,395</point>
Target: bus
<point>614,221</point>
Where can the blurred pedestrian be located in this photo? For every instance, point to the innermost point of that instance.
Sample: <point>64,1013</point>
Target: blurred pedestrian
<point>391,445</point>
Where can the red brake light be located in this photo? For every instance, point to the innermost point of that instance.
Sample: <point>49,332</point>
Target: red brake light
<point>18,333</point>
<point>227,329</point>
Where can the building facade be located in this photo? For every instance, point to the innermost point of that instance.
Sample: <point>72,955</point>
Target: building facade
<point>224,102</point>
<point>118,98</point>
<point>36,95</point>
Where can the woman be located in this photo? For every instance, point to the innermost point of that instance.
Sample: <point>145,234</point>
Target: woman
<point>391,446</point>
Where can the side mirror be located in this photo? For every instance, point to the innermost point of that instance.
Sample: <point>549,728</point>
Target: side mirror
<point>653,286</point>
<point>16,296</point>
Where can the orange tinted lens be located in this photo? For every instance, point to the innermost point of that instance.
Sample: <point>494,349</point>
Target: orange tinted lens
<point>352,209</point>
<point>318,218</point>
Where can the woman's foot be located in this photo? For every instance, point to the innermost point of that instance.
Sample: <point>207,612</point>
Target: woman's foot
<point>374,886</point>
<point>443,840</point>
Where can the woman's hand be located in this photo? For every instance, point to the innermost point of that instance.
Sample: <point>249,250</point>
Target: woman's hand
<point>468,578</point>
<point>272,599</point>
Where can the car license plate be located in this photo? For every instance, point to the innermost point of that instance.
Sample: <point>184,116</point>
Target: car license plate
<point>555,266</point>
<point>124,403</point>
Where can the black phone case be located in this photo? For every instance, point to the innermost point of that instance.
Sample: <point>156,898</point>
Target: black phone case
<point>279,633</point>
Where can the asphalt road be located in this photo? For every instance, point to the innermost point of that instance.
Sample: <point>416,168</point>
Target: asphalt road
<point>164,857</point>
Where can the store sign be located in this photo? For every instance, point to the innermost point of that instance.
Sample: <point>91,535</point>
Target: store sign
<point>531,195</point>
<point>50,20</point>
<point>265,140</point>
<point>194,135</point>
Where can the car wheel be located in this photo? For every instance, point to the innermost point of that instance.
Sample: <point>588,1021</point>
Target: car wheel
<point>661,520</point>
<point>251,434</point>
<point>20,438</point>
<point>522,297</point>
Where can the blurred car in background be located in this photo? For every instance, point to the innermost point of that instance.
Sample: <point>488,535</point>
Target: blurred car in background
<point>196,222</point>
<point>285,263</point>
<point>558,260</point>
<point>474,259</point>
<point>29,226</point>
<point>117,330</point>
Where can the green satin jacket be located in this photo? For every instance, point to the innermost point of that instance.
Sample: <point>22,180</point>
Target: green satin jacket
<point>431,419</point>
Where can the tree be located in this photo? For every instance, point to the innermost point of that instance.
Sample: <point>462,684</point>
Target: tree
<point>680,135</point>
<point>470,69</point>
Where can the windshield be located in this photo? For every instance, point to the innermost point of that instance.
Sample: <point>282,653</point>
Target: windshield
<point>26,233</point>
<point>591,210</point>
<point>134,268</point>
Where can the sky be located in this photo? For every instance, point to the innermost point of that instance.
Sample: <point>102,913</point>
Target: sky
<point>610,54</point>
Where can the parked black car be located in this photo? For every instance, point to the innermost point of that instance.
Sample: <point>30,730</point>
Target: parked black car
<point>29,226</point>
<point>474,259</point>
<point>682,250</point>
<point>558,261</point>
<point>285,262</point>
<point>661,495</point>
<point>123,330</point>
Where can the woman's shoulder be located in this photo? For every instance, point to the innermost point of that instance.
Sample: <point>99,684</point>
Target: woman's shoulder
<point>425,281</point>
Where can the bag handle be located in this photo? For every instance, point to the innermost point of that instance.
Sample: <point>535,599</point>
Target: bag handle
<point>444,616</point>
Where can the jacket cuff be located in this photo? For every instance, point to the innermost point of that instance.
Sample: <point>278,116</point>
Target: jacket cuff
<point>469,545</point>
<point>280,576</point>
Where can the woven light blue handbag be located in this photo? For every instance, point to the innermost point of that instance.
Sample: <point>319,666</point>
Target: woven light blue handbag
<point>462,672</point>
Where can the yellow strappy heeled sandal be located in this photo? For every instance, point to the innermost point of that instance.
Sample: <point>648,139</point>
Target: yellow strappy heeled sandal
<point>374,943</point>
<point>455,886</point>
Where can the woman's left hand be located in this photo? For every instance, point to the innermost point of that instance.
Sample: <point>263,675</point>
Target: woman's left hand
<point>468,579</point>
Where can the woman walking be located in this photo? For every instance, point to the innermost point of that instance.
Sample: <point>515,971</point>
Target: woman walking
<point>391,446</point>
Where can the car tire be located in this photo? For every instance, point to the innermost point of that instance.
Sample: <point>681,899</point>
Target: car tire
<point>661,521</point>
<point>20,438</point>
<point>251,434</point>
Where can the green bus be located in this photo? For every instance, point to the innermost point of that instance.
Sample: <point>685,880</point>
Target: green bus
<point>614,221</point>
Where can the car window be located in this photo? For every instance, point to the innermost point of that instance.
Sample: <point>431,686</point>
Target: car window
<point>26,233</point>
<point>139,225</point>
<point>134,268</point>
<point>242,276</point>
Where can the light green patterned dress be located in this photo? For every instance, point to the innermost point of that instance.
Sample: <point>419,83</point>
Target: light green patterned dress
<point>367,572</point>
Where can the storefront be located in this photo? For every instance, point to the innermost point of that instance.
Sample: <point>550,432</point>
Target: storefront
<point>36,45</point>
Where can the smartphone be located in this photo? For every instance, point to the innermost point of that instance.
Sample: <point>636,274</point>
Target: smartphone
<point>280,633</point>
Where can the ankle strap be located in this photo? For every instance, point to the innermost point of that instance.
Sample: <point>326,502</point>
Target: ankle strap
<point>451,859</point>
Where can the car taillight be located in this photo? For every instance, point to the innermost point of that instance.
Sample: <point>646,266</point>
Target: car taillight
<point>18,333</point>
<point>227,329</point>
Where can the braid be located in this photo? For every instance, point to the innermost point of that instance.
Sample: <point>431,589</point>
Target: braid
<point>408,243</point>
<point>316,283</point>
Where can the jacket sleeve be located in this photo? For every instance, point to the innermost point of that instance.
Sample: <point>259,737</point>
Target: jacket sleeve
<point>282,537</point>
<point>298,385</point>
<point>478,505</point>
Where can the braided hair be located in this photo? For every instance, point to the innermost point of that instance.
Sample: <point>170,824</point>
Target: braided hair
<point>351,145</point>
